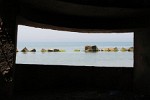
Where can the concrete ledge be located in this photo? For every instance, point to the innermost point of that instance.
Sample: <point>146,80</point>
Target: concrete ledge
<point>38,78</point>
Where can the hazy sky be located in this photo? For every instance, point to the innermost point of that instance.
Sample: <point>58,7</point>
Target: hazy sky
<point>31,34</point>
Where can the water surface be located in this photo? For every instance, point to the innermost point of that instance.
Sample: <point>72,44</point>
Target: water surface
<point>98,59</point>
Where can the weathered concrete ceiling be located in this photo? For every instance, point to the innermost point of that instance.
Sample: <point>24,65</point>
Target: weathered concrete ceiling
<point>85,14</point>
<point>80,10</point>
<point>113,3</point>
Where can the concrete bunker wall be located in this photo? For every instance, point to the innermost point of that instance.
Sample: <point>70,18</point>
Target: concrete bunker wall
<point>34,77</point>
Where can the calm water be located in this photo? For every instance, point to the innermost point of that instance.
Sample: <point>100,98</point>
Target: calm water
<point>99,59</point>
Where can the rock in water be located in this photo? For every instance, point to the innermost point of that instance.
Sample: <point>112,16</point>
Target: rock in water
<point>76,50</point>
<point>123,49</point>
<point>43,50</point>
<point>113,49</point>
<point>56,50</point>
<point>25,50</point>
<point>50,50</point>
<point>91,48</point>
<point>33,50</point>
<point>131,49</point>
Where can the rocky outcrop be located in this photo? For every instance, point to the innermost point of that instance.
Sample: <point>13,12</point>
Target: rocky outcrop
<point>56,50</point>
<point>43,50</point>
<point>123,49</point>
<point>91,48</point>
<point>50,50</point>
<point>62,50</point>
<point>131,49</point>
<point>115,49</point>
<point>33,50</point>
<point>77,50</point>
<point>25,50</point>
<point>104,49</point>
<point>53,50</point>
<point>110,49</point>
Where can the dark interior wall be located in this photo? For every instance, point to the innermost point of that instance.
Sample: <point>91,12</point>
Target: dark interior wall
<point>40,78</point>
<point>8,29</point>
<point>142,61</point>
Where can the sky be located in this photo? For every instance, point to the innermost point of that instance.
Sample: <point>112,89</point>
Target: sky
<point>31,34</point>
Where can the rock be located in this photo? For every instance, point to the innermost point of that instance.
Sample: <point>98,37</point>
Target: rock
<point>33,50</point>
<point>43,50</point>
<point>113,49</point>
<point>50,50</point>
<point>62,50</point>
<point>123,49</point>
<point>116,49</point>
<point>91,48</point>
<point>76,50</point>
<point>131,49</point>
<point>25,50</point>
<point>105,49</point>
<point>53,50</point>
<point>56,50</point>
<point>110,49</point>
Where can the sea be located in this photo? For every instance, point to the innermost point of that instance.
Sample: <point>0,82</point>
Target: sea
<point>72,58</point>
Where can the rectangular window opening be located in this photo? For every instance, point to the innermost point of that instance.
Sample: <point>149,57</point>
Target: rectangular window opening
<point>53,47</point>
